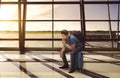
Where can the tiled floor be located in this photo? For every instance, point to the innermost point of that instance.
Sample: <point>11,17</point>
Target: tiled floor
<point>46,65</point>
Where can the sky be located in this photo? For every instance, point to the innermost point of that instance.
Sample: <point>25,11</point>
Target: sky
<point>61,12</point>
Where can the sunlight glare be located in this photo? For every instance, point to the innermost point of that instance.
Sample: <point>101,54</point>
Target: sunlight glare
<point>6,12</point>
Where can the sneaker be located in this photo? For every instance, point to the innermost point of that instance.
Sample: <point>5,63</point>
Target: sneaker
<point>63,67</point>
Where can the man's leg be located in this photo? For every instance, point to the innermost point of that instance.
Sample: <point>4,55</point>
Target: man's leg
<point>65,60</point>
<point>72,58</point>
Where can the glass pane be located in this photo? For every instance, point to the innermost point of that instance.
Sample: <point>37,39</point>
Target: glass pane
<point>9,0</point>
<point>94,0</point>
<point>97,26</point>
<point>47,44</point>
<point>114,26</point>
<point>51,0</point>
<point>66,0</point>
<point>38,0</point>
<point>97,44</point>
<point>96,12</point>
<point>38,29</point>
<point>8,30</point>
<point>9,12</point>
<point>101,0</point>
<point>114,0</point>
<point>114,11</point>
<point>97,35</point>
<point>67,12</point>
<point>8,26</point>
<point>37,12</point>
<point>9,43</point>
<point>9,34</point>
<point>38,26</point>
<point>67,25</point>
<point>39,34</point>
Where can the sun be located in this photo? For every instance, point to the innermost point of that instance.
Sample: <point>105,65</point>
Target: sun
<point>6,12</point>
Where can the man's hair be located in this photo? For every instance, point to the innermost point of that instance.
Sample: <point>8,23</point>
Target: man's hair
<point>65,32</point>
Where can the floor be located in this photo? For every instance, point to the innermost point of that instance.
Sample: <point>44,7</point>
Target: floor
<point>46,64</point>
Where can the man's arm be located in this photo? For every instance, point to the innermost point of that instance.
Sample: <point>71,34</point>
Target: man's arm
<point>70,47</point>
<point>62,51</point>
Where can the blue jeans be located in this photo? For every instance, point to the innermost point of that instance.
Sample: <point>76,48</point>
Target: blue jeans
<point>73,54</point>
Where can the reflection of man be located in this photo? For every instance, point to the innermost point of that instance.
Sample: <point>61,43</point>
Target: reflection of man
<point>70,44</point>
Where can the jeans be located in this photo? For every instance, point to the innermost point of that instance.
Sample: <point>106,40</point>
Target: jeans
<point>73,54</point>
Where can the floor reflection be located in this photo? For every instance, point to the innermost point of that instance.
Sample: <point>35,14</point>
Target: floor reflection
<point>42,65</point>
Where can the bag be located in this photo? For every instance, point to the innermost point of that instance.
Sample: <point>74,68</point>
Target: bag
<point>79,36</point>
<point>79,61</point>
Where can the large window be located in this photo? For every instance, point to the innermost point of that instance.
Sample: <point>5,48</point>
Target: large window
<point>36,24</point>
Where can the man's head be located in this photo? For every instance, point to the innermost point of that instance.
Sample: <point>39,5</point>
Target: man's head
<point>64,34</point>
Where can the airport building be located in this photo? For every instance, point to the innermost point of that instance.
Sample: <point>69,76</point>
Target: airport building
<point>30,37</point>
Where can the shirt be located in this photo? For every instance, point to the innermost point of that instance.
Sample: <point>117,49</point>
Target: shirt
<point>73,40</point>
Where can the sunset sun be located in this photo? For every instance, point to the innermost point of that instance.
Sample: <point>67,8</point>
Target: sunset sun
<point>6,12</point>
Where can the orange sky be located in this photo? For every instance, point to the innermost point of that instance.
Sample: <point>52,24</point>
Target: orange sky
<point>61,12</point>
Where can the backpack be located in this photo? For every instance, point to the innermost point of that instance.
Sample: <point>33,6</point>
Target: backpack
<point>79,36</point>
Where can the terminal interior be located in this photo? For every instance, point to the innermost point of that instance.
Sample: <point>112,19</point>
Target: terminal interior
<point>30,38</point>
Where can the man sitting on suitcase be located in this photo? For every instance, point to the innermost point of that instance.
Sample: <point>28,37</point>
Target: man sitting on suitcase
<point>70,44</point>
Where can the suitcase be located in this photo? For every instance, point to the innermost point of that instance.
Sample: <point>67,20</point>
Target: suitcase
<point>79,61</point>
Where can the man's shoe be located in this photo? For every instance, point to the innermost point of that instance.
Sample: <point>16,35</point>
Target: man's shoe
<point>63,67</point>
<point>71,70</point>
<point>79,68</point>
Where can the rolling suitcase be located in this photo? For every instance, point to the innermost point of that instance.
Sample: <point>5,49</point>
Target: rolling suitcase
<point>79,61</point>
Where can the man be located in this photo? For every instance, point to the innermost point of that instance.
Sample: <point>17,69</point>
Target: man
<point>70,44</point>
